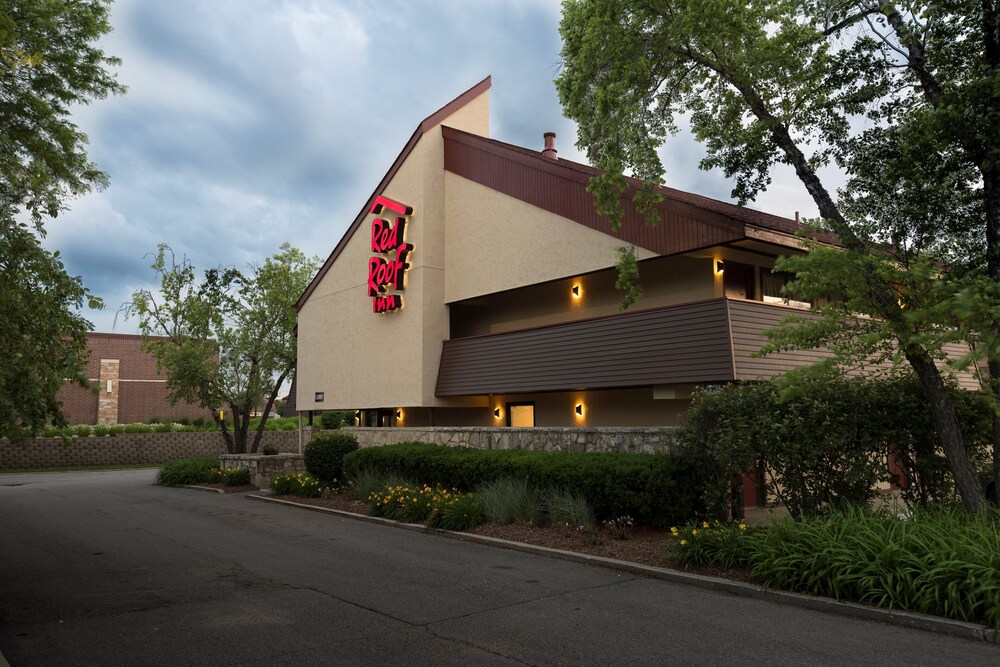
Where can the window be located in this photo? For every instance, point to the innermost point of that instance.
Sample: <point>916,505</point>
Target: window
<point>772,282</point>
<point>521,415</point>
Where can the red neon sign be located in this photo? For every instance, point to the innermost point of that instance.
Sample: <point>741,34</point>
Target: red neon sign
<point>388,271</point>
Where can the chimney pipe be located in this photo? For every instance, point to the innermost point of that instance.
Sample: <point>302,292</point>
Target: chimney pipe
<point>550,151</point>
<point>796,216</point>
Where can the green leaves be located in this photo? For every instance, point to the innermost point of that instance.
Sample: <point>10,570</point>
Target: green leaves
<point>226,340</point>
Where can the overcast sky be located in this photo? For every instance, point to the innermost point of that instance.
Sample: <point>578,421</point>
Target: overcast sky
<point>248,123</point>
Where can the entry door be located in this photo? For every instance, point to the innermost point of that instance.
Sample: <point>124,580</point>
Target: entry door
<point>521,415</point>
<point>738,281</point>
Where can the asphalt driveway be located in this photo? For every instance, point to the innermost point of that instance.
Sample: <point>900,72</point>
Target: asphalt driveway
<point>104,568</point>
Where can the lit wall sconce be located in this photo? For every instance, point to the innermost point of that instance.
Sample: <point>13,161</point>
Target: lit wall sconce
<point>720,266</point>
<point>579,410</point>
<point>357,417</point>
<point>399,414</point>
<point>576,291</point>
<point>497,413</point>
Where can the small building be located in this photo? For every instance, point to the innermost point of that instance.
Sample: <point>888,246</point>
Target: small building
<point>476,287</point>
<point>130,387</point>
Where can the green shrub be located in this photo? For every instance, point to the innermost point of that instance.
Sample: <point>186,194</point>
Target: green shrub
<point>50,432</point>
<point>166,427</point>
<point>83,430</point>
<point>188,471</point>
<point>153,420</point>
<point>510,501</point>
<point>324,455</point>
<point>711,544</point>
<point>299,484</point>
<point>462,512</point>
<point>935,561</point>
<point>660,489</point>
<point>269,450</point>
<point>334,419</point>
<point>236,476</point>
<point>368,481</point>
<point>101,430</point>
<point>198,422</point>
<point>823,439</point>
<point>569,509</point>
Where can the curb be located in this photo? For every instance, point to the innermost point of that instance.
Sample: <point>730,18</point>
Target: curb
<point>209,489</point>
<point>906,619</point>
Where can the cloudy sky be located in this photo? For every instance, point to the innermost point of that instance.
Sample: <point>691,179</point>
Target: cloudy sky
<point>252,122</point>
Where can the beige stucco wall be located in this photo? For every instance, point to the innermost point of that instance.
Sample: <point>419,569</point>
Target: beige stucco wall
<point>496,242</point>
<point>358,358</point>
<point>665,281</point>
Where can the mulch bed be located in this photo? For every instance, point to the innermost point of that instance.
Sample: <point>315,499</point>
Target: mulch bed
<point>646,546</point>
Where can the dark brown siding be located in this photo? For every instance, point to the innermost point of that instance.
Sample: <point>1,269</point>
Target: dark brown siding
<point>687,343</point>
<point>750,319</point>
<point>561,188</point>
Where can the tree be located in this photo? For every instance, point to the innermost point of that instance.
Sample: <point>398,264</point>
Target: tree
<point>47,64</point>
<point>904,101</point>
<point>227,340</point>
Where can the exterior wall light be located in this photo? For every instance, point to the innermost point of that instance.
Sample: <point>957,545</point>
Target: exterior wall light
<point>720,266</point>
<point>579,410</point>
<point>399,414</point>
<point>496,413</point>
<point>357,417</point>
<point>576,291</point>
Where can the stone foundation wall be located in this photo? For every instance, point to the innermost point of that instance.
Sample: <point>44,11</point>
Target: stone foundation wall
<point>549,439</point>
<point>263,468</point>
<point>126,449</point>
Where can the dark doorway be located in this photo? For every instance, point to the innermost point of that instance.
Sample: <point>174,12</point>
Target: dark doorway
<point>738,280</point>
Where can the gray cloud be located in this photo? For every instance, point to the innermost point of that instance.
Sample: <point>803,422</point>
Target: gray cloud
<point>249,122</point>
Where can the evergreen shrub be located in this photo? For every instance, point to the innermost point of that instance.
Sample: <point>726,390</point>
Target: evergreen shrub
<point>324,455</point>
<point>655,489</point>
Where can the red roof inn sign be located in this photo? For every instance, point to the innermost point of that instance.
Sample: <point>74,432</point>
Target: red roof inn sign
<point>388,267</point>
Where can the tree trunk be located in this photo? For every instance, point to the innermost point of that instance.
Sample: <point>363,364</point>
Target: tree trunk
<point>226,437</point>
<point>949,433</point>
<point>267,411</point>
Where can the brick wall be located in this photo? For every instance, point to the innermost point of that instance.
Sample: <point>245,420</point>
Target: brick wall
<point>138,389</point>
<point>126,448</point>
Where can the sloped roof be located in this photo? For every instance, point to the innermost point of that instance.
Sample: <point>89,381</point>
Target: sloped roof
<point>583,173</point>
<point>425,125</point>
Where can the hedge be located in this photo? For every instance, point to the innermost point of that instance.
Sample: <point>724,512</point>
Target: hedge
<point>654,489</point>
<point>324,455</point>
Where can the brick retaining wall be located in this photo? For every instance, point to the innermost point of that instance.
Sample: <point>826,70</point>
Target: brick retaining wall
<point>550,439</point>
<point>126,448</point>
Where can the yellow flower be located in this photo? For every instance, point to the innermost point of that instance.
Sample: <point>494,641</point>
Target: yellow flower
<point>704,524</point>
<point>674,531</point>
<point>743,526</point>
<point>694,531</point>
<point>683,542</point>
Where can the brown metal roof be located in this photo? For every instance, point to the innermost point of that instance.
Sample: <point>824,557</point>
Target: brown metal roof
<point>688,343</point>
<point>560,187</point>
<point>527,175</point>
<point>425,125</point>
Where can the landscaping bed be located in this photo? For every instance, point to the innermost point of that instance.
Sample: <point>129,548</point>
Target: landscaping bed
<point>646,546</point>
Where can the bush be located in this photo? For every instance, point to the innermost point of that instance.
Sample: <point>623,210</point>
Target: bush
<point>188,471</point>
<point>462,512</point>
<point>236,476</point>
<point>823,440</point>
<point>658,489</point>
<point>83,430</point>
<point>324,455</point>
<point>934,561</point>
<point>711,544</point>
<point>299,484</point>
<point>101,430</point>
<point>334,419</point>
<point>269,450</point>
